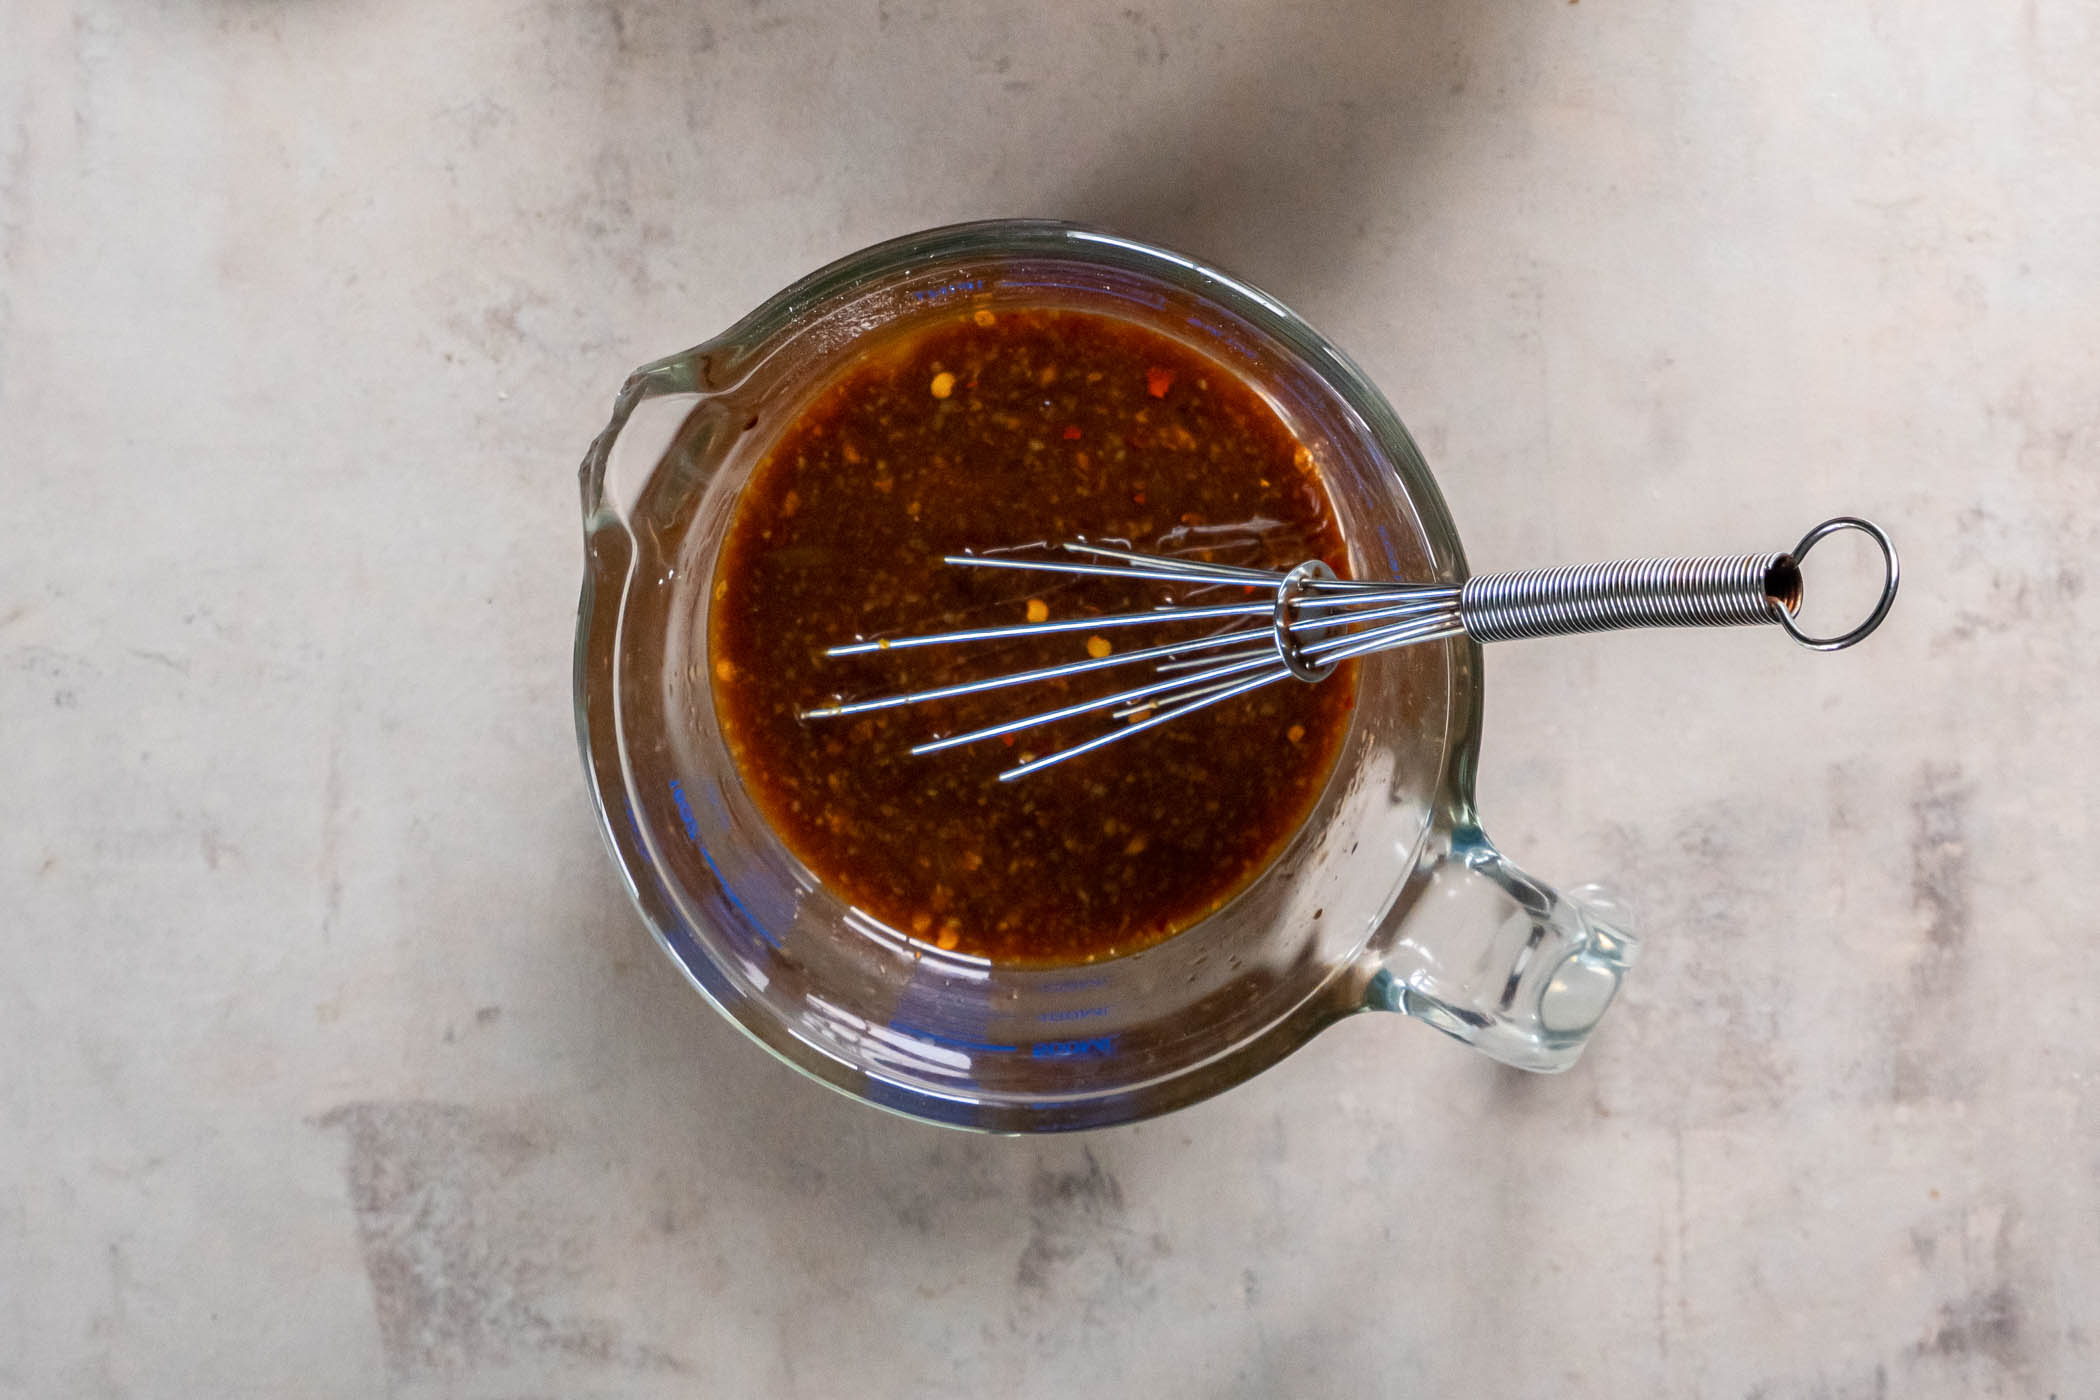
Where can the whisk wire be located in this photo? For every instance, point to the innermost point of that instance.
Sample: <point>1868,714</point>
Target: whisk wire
<point>1316,621</point>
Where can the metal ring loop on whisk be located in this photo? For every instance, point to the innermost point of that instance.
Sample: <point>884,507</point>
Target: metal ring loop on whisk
<point>1891,576</point>
<point>1288,651</point>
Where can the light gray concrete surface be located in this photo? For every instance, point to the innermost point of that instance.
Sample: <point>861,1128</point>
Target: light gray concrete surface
<point>332,1062</point>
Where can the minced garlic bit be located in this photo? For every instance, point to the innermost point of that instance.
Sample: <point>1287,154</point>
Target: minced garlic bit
<point>985,318</point>
<point>1098,647</point>
<point>725,670</point>
<point>1296,733</point>
<point>1038,610</point>
<point>943,384</point>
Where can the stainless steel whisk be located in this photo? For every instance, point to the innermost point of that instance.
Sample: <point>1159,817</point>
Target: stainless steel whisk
<point>1313,621</point>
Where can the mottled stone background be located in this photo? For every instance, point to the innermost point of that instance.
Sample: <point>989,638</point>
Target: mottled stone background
<point>332,1062</point>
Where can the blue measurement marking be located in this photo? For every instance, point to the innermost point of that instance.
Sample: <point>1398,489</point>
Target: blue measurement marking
<point>960,1010</point>
<point>952,289</point>
<point>1066,1049</point>
<point>731,895</point>
<point>1080,1014</point>
<point>692,831</point>
<point>952,1040</point>
<point>1385,537</point>
<point>1075,984</point>
<point>685,814</point>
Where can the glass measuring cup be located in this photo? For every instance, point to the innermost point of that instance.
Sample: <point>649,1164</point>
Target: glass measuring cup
<point>1390,897</point>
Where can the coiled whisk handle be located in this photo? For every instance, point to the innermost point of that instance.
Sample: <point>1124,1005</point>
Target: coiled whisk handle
<point>1719,591</point>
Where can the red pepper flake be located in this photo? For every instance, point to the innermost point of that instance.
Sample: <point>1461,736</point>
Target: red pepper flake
<point>1137,498</point>
<point>1158,381</point>
<point>1071,432</point>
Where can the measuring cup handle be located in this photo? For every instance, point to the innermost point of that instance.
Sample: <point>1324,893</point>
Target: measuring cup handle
<point>1489,955</point>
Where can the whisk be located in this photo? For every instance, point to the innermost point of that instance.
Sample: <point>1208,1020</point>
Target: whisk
<point>1312,621</point>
